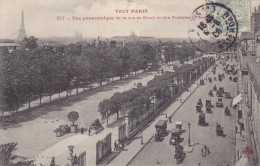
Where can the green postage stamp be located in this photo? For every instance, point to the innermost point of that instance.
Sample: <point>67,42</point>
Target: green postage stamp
<point>241,9</point>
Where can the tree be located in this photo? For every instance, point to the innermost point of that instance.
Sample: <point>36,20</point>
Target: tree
<point>104,108</point>
<point>7,157</point>
<point>73,117</point>
<point>30,42</point>
<point>6,153</point>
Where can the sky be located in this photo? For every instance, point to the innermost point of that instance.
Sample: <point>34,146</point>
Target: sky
<point>41,17</point>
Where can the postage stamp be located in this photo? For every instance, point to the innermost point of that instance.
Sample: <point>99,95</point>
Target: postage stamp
<point>241,9</point>
<point>216,31</point>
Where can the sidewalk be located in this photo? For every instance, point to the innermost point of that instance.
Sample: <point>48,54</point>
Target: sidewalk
<point>135,147</point>
<point>240,137</point>
<point>88,143</point>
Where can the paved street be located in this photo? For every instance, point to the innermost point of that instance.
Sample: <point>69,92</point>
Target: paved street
<point>222,148</point>
<point>88,144</point>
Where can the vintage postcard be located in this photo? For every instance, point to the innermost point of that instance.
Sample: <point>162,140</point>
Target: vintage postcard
<point>129,82</point>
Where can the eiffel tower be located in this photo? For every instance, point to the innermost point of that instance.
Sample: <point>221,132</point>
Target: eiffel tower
<point>22,33</point>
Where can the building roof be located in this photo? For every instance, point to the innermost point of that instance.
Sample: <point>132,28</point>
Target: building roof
<point>9,45</point>
<point>247,35</point>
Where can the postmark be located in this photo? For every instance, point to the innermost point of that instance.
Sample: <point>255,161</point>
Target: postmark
<point>214,28</point>
<point>242,10</point>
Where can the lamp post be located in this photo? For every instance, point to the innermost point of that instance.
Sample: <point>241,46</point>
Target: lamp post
<point>189,134</point>
<point>190,81</point>
<point>142,122</point>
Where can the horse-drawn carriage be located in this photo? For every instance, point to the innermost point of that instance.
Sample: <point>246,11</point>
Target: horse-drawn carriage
<point>227,94</point>
<point>200,103</point>
<point>62,130</point>
<point>211,93</point>
<point>235,79</point>
<point>161,129</point>
<point>202,82</point>
<point>175,137</point>
<point>198,108</point>
<point>227,111</point>
<point>219,94</point>
<point>96,126</point>
<point>221,89</point>
<point>220,77</point>
<point>179,154</point>
<point>215,87</point>
<point>202,119</point>
<point>219,130</point>
<point>219,103</point>
<point>208,105</point>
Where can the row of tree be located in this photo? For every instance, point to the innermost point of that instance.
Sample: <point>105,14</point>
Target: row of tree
<point>36,71</point>
<point>138,101</point>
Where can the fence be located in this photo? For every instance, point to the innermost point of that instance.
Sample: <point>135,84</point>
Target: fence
<point>103,148</point>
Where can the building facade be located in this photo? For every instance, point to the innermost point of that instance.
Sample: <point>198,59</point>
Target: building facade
<point>249,54</point>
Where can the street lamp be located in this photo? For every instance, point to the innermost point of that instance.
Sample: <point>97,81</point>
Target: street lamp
<point>142,122</point>
<point>189,134</point>
<point>190,81</point>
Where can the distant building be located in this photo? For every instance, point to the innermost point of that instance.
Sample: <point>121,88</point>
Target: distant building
<point>22,32</point>
<point>132,38</point>
<point>9,46</point>
<point>255,23</point>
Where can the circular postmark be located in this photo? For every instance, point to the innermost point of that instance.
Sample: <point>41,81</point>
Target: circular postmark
<point>214,28</point>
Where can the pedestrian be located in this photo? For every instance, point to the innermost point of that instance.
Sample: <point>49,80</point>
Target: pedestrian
<point>238,156</point>
<point>53,161</point>
<point>170,119</point>
<point>240,131</point>
<point>115,145</point>
<point>89,131</point>
<point>75,159</point>
<point>236,129</point>
<point>82,130</point>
